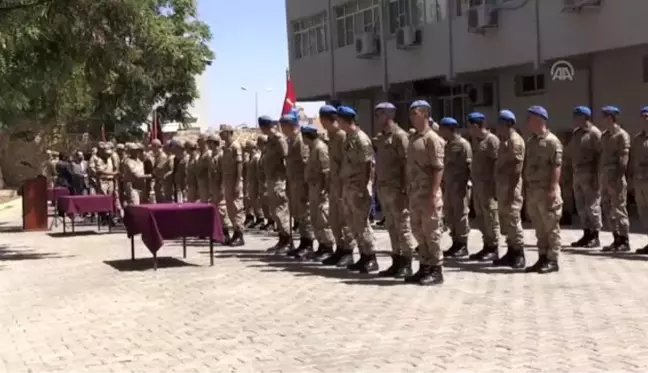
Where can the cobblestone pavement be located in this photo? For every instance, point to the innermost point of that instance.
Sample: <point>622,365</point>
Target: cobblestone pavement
<point>63,308</point>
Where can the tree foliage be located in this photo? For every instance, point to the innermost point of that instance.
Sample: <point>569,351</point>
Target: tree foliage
<point>84,63</point>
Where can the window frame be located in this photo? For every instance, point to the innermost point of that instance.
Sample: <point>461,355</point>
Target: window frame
<point>349,16</point>
<point>314,27</point>
<point>539,84</point>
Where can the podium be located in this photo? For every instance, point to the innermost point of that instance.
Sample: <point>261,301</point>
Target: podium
<point>34,204</point>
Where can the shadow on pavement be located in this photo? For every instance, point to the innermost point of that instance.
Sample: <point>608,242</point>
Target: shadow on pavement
<point>8,253</point>
<point>146,264</point>
<point>480,267</point>
<point>11,229</point>
<point>73,234</point>
<point>239,254</point>
<point>610,255</point>
<point>300,269</point>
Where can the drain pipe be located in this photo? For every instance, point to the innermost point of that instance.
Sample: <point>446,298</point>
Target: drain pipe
<point>383,48</point>
<point>538,57</point>
<point>451,67</point>
<point>331,23</point>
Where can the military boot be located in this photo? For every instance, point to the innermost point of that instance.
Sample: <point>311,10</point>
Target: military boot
<point>451,250</point>
<point>460,251</point>
<point>416,277</point>
<point>345,260</point>
<point>226,236</point>
<point>642,251</point>
<point>624,244</point>
<point>283,245</point>
<point>304,250</point>
<point>506,260</point>
<point>535,268</point>
<point>513,258</point>
<point>333,259</point>
<point>614,245</point>
<point>433,276</point>
<point>258,222</point>
<point>249,219</point>
<point>405,268</point>
<point>366,264</point>
<point>581,242</point>
<point>487,253</point>
<point>268,225</point>
<point>394,268</point>
<point>549,266</point>
<point>322,252</point>
<point>237,239</point>
<point>594,240</point>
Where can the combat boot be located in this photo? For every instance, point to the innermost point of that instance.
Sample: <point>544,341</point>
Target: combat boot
<point>513,258</point>
<point>624,244</point>
<point>304,249</point>
<point>394,268</point>
<point>333,259</point>
<point>258,222</point>
<point>283,245</point>
<point>322,252</point>
<point>506,260</point>
<point>345,260</point>
<point>451,250</point>
<point>249,219</point>
<point>416,278</point>
<point>549,266</point>
<point>226,236</point>
<point>594,240</point>
<point>614,245</point>
<point>642,251</point>
<point>487,253</point>
<point>433,276</point>
<point>460,251</point>
<point>535,268</point>
<point>405,268</point>
<point>366,264</point>
<point>268,225</point>
<point>237,239</point>
<point>581,242</point>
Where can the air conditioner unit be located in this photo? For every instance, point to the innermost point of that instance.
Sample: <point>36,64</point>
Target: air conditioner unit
<point>571,6</point>
<point>482,17</point>
<point>480,95</point>
<point>408,37</point>
<point>367,45</point>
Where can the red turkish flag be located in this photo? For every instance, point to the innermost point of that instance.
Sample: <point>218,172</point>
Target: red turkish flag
<point>289,101</point>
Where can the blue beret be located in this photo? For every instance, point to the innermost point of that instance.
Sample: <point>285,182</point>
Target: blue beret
<point>289,118</point>
<point>265,120</point>
<point>609,109</point>
<point>327,109</point>
<point>449,122</point>
<point>538,111</point>
<point>420,103</point>
<point>476,117</point>
<point>507,115</point>
<point>346,111</point>
<point>644,110</point>
<point>385,106</point>
<point>308,128</point>
<point>583,110</point>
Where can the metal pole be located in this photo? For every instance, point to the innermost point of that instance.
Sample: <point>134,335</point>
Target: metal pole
<point>256,106</point>
<point>384,32</point>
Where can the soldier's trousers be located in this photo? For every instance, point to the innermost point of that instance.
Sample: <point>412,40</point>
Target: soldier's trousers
<point>456,207</point>
<point>510,216</point>
<point>234,202</point>
<point>278,204</point>
<point>192,192</point>
<point>486,215</point>
<point>356,207</point>
<point>299,207</point>
<point>614,203</point>
<point>587,195</point>
<point>545,218</point>
<point>160,197</point>
<point>255,202</point>
<point>203,190</point>
<point>426,226</point>
<point>318,203</point>
<point>641,199</point>
<point>218,200</point>
<point>265,207</point>
<point>395,210</point>
<point>340,228</point>
<point>133,196</point>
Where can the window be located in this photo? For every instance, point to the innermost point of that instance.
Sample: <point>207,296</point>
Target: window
<point>310,35</point>
<point>529,84</point>
<point>354,18</point>
<point>435,10</point>
<point>414,13</point>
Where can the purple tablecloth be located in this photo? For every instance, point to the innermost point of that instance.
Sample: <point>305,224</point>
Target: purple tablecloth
<point>53,194</point>
<point>72,205</point>
<point>163,221</point>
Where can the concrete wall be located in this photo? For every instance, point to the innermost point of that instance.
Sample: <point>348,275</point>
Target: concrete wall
<point>618,24</point>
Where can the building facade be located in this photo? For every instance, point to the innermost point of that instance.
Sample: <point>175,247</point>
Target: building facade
<point>465,55</point>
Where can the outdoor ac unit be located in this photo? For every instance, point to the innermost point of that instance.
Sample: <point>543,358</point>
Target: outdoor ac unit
<point>480,95</point>
<point>367,45</point>
<point>408,37</point>
<point>481,17</point>
<point>578,5</point>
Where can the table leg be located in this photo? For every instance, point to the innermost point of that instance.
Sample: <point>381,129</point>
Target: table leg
<point>132,247</point>
<point>64,225</point>
<point>184,247</point>
<point>110,222</point>
<point>72,218</point>
<point>211,251</point>
<point>155,261</point>
<point>99,225</point>
<point>55,214</point>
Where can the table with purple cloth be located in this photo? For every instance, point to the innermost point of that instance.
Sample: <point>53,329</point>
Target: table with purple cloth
<point>71,206</point>
<point>163,221</point>
<point>53,194</point>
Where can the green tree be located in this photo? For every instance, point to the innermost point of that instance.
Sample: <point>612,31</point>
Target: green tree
<point>84,63</point>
